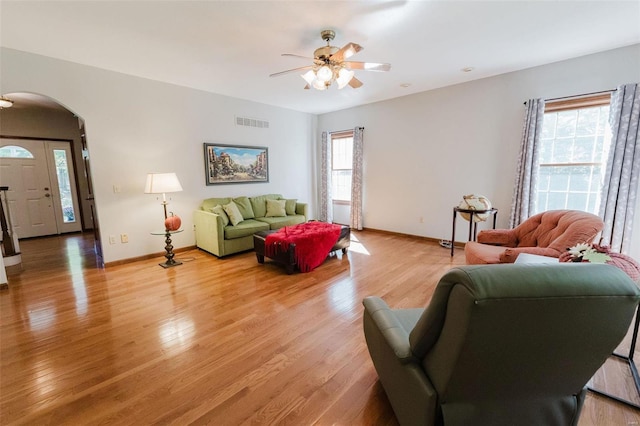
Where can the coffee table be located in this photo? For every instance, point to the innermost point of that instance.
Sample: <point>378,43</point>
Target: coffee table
<point>287,257</point>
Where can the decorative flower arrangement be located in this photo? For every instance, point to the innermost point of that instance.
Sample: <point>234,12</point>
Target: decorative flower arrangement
<point>584,252</point>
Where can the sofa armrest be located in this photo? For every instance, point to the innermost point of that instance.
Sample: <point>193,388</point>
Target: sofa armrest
<point>511,254</point>
<point>385,320</point>
<point>303,209</point>
<point>209,232</point>
<point>498,237</point>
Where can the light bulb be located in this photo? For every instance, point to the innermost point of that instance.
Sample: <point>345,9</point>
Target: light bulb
<point>309,76</point>
<point>324,73</point>
<point>344,77</point>
<point>319,85</point>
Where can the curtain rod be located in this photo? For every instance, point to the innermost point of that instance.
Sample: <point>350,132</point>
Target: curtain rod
<point>343,131</point>
<point>582,95</point>
<point>578,96</point>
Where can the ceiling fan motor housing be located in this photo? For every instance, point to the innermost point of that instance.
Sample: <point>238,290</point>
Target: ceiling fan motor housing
<point>324,53</point>
<point>327,35</point>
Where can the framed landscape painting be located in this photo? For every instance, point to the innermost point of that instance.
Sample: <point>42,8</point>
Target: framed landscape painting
<point>235,164</point>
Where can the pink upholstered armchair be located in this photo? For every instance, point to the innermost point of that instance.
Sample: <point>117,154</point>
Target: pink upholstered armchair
<point>547,234</point>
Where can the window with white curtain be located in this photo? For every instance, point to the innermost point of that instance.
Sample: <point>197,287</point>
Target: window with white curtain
<point>341,166</point>
<point>574,148</point>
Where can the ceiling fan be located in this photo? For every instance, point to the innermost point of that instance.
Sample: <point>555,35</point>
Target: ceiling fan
<point>330,64</point>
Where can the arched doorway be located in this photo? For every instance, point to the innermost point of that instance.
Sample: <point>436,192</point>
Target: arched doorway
<point>62,200</point>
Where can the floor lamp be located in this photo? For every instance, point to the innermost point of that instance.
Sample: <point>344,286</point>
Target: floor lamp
<point>161,183</point>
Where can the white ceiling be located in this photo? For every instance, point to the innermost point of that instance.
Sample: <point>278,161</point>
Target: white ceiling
<point>231,47</point>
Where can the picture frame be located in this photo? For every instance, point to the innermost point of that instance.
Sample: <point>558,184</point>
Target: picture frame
<point>225,164</point>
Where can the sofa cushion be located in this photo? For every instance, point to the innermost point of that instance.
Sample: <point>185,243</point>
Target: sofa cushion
<point>234,213</point>
<point>478,254</point>
<point>279,222</point>
<point>259,203</point>
<point>220,212</point>
<point>244,229</point>
<point>290,206</point>
<point>244,205</point>
<point>210,203</point>
<point>275,208</point>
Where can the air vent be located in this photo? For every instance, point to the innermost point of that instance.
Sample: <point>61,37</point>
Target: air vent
<point>252,122</point>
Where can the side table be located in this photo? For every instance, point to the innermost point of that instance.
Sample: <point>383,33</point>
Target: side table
<point>473,226</point>
<point>628,359</point>
<point>168,248</point>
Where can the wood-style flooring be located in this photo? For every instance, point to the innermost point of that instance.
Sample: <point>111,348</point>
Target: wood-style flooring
<point>221,342</point>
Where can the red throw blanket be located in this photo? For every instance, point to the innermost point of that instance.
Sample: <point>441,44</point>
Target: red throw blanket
<point>313,241</point>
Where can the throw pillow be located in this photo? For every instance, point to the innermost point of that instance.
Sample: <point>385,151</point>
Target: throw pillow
<point>275,208</point>
<point>244,206</point>
<point>220,212</point>
<point>290,206</point>
<point>234,214</point>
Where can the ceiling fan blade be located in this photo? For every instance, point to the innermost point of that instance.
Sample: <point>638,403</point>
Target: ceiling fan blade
<point>355,83</point>
<point>308,67</point>
<point>346,52</point>
<point>367,66</point>
<point>297,56</point>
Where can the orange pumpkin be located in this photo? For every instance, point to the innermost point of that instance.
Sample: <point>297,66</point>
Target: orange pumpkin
<point>172,223</point>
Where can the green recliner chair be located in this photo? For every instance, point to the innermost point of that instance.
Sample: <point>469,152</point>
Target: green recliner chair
<point>500,344</point>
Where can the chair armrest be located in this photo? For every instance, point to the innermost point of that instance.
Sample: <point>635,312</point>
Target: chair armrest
<point>303,209</point>
<point>396,336</point>
<point>511,254</point>
<point>498,237</point>
<point>209,232</point>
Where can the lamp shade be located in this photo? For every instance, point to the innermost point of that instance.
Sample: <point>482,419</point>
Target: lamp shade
<point>344,77</point>
<point>5,102</point>
<point>159,183</point>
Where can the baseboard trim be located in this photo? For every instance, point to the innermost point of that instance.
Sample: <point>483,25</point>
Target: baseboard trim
<point>146,257</point>
<point>415,237</point>
<point>183,249</point>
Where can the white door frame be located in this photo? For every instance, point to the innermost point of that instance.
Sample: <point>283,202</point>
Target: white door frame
<point>43,188</point>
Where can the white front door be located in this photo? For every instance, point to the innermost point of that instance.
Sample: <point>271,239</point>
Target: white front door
<point>42,197</point>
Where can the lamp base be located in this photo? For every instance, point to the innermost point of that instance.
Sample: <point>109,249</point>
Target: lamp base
<point>170,263</point>
<point>169,252</point>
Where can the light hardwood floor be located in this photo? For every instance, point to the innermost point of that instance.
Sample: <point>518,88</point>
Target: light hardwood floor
<point>213,341</point>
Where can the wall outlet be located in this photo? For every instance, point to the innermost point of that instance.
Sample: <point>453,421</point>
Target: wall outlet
<point>112,239</point>
<point>124,238</point>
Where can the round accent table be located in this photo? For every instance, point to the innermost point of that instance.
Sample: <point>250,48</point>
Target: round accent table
<point>168,248</point>
<point>473,226</point>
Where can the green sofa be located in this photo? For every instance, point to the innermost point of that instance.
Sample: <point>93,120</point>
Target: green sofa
<point>221,240</point>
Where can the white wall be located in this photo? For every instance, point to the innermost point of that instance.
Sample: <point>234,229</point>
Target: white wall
<point>135,126</point>
<point>424,151</point>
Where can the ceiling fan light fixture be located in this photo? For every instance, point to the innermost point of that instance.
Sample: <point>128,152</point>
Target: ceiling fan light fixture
<point>5,103</point>
<point>324,73</point>
<point>344,77</point>
<point>319,85</point>
<point>309,77</point>
<point>329,66</point>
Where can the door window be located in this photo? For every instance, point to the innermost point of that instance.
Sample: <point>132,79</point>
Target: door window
<point>12,151</point>
<point>64,185</point>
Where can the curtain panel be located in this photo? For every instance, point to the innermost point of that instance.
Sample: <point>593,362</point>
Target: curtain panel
<point>622,173</point>
<point>356,178</point>
<point>326,208</point>
<point>525,190</point>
